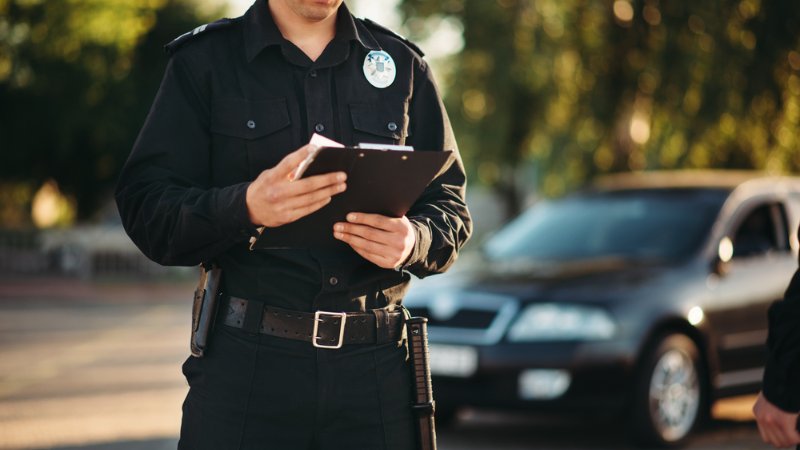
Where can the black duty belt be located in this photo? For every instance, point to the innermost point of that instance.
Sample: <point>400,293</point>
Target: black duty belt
<point>322,328</point>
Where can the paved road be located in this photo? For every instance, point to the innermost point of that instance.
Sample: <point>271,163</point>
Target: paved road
<point>97,367</point>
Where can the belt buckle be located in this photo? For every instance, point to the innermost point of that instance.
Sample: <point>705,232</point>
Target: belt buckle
<point>317,320</point>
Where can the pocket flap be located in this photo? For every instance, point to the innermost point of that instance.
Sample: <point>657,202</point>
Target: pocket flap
<point>249,119</point>
<point>376,120</point>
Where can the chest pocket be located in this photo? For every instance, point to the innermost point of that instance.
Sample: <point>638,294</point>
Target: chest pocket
<point>248,137</point>
<point>375,123</point>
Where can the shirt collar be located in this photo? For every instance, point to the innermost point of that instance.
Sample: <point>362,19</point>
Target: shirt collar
<point>260,30</point>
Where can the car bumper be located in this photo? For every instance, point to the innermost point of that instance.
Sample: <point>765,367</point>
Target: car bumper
<point>600,376</point>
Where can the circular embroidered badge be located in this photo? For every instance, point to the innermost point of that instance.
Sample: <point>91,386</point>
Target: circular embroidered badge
<point>379,69</point>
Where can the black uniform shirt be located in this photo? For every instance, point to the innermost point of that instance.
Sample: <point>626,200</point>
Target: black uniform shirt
<point>236,98</point>
<point>782,370</point>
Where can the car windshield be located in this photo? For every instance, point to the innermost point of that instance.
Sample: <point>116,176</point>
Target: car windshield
<point>657,225</point>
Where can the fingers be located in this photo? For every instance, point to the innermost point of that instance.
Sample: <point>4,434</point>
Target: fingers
<point>776,427</point>
<point>787,431</point>
<point>308,209</point>
<point>371,251</point>
<point>762,433</point>
<point>780,436</point>
<point>274,199</point>
<point>378,260</point>
<point>292,160</point>
<point>376,221</point>
<point>285,194</point>
<point>292,207</point>
<point>385,241</point>
<point>766,421</point>
<point>774,438</point>
<point>277,180</point>
<point>361,243</point>
<point>369,233</point>
<point>310,198</point>
<point>375,252</point>
<point>315,183</point>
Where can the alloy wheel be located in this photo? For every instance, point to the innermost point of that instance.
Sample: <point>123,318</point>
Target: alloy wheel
<point>674,394</point>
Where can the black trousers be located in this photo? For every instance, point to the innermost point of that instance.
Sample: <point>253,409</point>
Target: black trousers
<point>258,392</point>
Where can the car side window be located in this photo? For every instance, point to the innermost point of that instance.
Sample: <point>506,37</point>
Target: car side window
<point>762,231</point>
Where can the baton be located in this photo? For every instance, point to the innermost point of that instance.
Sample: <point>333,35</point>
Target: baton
<point>424,406</point>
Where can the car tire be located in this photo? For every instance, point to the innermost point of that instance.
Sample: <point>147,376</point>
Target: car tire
<point>671,392</point>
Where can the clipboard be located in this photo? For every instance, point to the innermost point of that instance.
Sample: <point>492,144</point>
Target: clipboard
<point>385,182</point>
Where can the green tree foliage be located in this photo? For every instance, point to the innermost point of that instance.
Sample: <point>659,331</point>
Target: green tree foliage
<point>76,80</point>
<point>577,88</point>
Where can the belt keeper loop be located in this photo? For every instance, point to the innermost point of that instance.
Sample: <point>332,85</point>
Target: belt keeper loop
<point>382,331</point>
<point>253,315</point>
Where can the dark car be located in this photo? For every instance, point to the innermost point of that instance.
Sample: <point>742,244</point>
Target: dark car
<point>645,295</point>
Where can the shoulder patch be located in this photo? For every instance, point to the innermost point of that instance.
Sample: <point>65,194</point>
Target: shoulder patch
<point>176,43</point>
<point>382,29</point>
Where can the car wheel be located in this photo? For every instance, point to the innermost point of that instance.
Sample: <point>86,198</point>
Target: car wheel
<point>670,392</point>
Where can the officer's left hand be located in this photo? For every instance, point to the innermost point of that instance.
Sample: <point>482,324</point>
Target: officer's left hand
<point>777,427</point>
<point>385,241</point>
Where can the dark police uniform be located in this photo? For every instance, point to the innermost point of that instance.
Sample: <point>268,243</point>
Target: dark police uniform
<point>782,371</point>
<point>236,98</point>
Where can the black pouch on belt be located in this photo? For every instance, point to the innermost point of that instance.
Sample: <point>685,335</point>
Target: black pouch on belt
<point>206,298</point>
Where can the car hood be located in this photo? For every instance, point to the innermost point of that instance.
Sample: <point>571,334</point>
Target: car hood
<point>583,280</point>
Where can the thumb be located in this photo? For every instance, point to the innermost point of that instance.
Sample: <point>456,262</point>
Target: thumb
<point>292,160</point>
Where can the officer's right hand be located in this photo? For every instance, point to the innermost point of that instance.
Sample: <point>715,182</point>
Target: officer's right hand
<point>274,199</point>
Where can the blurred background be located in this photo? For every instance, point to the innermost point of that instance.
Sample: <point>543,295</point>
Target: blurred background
<point>544,96</point>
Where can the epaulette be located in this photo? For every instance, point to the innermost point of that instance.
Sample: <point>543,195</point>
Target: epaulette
<point>173,46</point>
<point>380,28</point>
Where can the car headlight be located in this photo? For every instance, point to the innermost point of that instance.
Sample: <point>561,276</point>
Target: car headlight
<point>557,322</point>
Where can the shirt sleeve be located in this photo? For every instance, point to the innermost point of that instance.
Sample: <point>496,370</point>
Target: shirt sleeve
<point>782,371</point>
<point>167,205</point>
<point>440,216</point>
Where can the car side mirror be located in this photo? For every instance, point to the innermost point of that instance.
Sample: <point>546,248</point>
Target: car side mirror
<point>721,265</point>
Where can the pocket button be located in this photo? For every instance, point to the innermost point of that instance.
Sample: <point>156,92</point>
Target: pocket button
<point>392,126</point>
<point>251,124</point>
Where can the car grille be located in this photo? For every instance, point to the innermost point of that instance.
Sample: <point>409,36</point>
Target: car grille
<point>465,317</point>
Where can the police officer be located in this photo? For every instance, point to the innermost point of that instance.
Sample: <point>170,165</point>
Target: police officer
<point>239,100</point>
<point>777,407</point>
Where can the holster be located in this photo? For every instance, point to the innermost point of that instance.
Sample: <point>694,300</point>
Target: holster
<point>204,309</point>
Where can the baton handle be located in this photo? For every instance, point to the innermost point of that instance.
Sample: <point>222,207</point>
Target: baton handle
<point>424,406</point>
